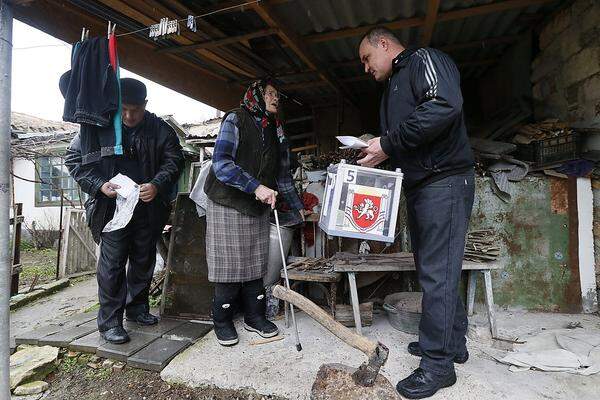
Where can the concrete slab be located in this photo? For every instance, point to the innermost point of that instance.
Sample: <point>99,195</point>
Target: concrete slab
<point>157,354</point>
<point>66,336</point>
<point>33,336</point>
<point>164,325</point>
<point>277,369</point>
<point>57,307</point>
<point>190,331</point>
<point>88,343</point>
<point>121,352</point>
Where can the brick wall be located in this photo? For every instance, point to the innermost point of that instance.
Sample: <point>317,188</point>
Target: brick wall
<point>566,73</point>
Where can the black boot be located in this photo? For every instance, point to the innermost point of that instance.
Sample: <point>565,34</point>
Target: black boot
<point>421,384</point>
<point>222,312</point>
<point>254,303</point>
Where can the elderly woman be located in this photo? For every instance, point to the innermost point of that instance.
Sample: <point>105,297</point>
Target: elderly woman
<point>251,161</point>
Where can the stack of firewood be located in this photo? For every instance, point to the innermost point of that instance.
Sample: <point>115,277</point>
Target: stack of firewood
<point>543,130</point>
<point>482,246</point>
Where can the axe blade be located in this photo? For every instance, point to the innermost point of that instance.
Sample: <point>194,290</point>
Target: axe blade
<point>367,373</point>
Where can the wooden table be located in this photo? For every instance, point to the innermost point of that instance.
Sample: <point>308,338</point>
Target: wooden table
<point>319,277</point>
<point>351,264</point>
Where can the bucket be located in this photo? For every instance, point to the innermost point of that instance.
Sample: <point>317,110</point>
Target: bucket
<point>275,263</point>
<point>404,311</point>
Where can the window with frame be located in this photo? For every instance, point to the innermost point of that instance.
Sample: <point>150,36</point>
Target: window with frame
<point>53,176</point>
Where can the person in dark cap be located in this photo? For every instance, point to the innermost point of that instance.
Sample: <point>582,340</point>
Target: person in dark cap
<point>153,159</point>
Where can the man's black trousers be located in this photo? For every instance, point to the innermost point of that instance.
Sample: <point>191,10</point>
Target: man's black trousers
<point>438,217</point>
<point>119,291</point>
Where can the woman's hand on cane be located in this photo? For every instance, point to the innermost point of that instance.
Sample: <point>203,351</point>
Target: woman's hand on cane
<point>266,195</point>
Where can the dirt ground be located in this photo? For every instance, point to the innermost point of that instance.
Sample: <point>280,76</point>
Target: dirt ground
<point>74,379</point>
<point>37,262</point>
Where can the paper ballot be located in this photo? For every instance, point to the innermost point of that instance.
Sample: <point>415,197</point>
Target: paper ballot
<point>127,198</point>
<point>351,142</point>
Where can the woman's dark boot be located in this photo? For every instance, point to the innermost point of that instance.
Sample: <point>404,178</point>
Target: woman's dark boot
<point>254,304</point>
<point>223,312</point>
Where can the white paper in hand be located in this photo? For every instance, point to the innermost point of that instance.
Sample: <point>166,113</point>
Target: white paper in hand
<point>127,198</point>
<point>351,142</point>
<point>126,183</point>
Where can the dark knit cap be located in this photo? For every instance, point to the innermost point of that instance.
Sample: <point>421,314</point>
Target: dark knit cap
<point>132,91</point>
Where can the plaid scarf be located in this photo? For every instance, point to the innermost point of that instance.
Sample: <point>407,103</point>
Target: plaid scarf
<point>254,102</point>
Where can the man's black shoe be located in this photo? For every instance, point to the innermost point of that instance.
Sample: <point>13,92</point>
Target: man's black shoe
<point>415,350</point>
<point>421,384</point>
<point>144,319</point>
<point>116,335</point>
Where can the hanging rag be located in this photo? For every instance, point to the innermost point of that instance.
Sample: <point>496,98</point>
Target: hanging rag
<point>198,195</point>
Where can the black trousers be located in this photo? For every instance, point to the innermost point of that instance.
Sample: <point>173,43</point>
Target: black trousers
<point>438,217</point>
<point>118,290</point>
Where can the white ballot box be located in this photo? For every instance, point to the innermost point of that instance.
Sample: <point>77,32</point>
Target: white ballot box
<point>361,202</point>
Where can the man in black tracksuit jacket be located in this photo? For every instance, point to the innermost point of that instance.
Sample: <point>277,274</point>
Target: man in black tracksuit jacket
<point>423,133</point>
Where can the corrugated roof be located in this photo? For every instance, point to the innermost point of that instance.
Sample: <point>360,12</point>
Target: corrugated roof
<point>24,126</point>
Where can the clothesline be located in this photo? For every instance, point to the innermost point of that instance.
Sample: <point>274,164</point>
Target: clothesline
<point>195,17</point>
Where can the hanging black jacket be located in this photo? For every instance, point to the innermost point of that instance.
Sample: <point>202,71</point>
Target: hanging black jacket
<point>157,148</point>
<point>422,122</point>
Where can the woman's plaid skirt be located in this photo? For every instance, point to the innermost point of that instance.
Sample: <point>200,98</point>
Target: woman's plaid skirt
<point>237,245</point>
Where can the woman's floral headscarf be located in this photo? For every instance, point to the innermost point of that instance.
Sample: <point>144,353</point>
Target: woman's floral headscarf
<point>254,102</point>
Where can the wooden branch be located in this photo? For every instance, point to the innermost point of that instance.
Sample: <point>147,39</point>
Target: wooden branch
<point>430,20</point>
<point>218,43</point>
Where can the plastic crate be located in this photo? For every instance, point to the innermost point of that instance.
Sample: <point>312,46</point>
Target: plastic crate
<point>552,150</point>
<point>361,202</point>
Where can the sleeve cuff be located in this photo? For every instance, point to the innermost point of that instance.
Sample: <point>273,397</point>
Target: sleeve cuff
<point>252,185</point>
<point>386,145</point>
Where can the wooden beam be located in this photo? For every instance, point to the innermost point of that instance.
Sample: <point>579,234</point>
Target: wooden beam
<point>146,19</point>
<point>295,42</point>
<point>481,43</point>
<point>489,9</point>
<point>448,48</point>
<point>218,43</point>
<point>430,20</point>
<point>135,54</point>
<point>416,21</point>
<point>361,30</point>
<point>237,51</point>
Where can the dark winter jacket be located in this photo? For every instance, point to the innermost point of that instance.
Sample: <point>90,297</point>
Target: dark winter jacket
<point>159,154</point>
<point>422,122</point>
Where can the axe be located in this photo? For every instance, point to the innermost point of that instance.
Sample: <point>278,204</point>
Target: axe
<point>376,353</point>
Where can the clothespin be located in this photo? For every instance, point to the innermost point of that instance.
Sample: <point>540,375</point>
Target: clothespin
<point>108,30</point>
<point>83,34</point>
<point>191,23</point>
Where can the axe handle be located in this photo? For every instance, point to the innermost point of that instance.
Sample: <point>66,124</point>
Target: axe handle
<point>352,339</point>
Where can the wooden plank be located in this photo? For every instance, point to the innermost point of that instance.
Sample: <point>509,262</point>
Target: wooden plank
<point>123,351</point>
<point>218,43</point>
<point>430,20</point>
<point>344,314</point>
<point>62,270</point>
<point>355,303</point>
<point>83,243</point>
<point>489,300</point>
<point>157,354</point>
<point>309,147</point>
<point>361,30</point>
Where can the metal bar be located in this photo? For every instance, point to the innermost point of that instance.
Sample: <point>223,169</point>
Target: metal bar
<point>6,27</point>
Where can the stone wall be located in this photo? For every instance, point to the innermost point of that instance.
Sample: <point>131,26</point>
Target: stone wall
<point>566,73</point>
